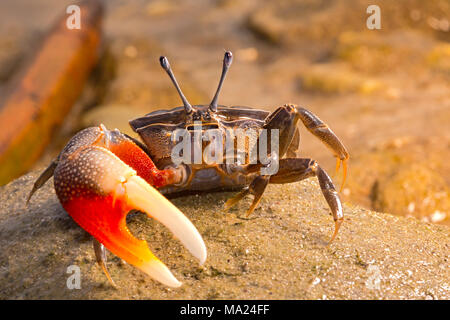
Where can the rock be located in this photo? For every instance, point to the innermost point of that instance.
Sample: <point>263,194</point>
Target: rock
<point>439,58</point>
<point>332,78</point>
<point>294,22</point>
<point>369,52</point>
<point>161,8</point>
<point>291,22</point>
<point>279,252</point>
<point>414,190</point>
<point>407,177</point>
<point>44,90</point>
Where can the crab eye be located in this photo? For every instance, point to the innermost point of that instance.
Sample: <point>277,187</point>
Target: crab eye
<point>228,58</point>
<point>164,63</point>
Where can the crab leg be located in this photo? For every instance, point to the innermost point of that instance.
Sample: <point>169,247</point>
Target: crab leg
<point>100,254</point>
<point>292,170</point>
<point>321,130</point>
<point>256,188</point>
<point>98,189</point>
<point>297,169</point>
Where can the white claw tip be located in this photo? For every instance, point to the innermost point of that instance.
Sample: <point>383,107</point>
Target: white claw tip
<point>203,255</point>
<point>158,271</point>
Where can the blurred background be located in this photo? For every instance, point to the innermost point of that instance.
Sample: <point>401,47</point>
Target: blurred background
<point>385,93</point>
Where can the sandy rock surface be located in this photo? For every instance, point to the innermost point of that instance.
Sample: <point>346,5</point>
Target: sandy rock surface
<point>279,252</point>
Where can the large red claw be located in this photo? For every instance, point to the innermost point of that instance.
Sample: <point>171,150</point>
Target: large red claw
<point>98,189</point>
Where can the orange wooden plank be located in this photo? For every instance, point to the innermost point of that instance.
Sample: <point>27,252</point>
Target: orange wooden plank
<point>45,89</point>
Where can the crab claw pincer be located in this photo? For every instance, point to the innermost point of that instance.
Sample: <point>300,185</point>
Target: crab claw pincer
<point>98,189</point>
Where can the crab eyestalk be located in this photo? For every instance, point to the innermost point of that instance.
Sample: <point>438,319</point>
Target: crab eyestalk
<point>227,60</point>
<point>166,66</point>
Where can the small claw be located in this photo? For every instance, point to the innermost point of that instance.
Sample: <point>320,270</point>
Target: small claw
<point>98,190</point>
<point>338,165</point>
<point>344,169</point>
<point>344,174</point>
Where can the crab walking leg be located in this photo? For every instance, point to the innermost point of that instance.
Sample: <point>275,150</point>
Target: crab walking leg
<point>297,169</point>
<point>293,170</point>
<point>321,130</point>
<point>256,188</point>
<point>45,175</point>
<point>100,255</point>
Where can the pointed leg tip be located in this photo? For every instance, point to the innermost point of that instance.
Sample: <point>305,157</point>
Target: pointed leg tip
<point>230,203</point>
<point>337,225</point>
<point>227,205</point>
<point>105,271</point>
<point>235,199</point>
<point>344,174</point>
<point>342,186</point>
<point>338,165</point>
<point>249,212</point>
<point>30,195</point>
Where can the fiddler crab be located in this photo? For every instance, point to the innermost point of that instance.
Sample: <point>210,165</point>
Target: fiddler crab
<point>101,175</point>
